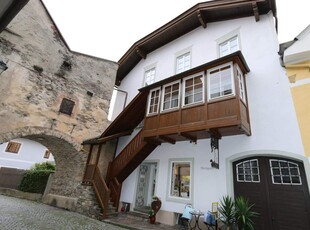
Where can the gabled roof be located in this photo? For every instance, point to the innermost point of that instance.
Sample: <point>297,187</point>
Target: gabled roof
<point>199,15</point>
<point>8,10</point>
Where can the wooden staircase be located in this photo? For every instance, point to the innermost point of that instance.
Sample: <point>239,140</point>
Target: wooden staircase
<point>119,169</point>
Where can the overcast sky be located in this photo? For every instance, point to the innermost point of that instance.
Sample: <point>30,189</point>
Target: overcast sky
<point>107,29</point>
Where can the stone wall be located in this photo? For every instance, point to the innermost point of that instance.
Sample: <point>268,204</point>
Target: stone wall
<point>41,72</point>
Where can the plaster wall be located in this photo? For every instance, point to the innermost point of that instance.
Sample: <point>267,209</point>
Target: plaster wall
<point>273,120</point>
<point>29,153</point>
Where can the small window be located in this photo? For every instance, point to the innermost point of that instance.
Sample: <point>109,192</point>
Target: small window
<point>171,96</point>
<point>153,101</point>
<point>241,85</point>
<point>47,154</point>
<point>183,62</point>
<point>149,77</point>
<point>229,46</point>
<point>221,82</point>
<point>285,172</point>
<point>181,179</point>
<point>248,171</point>
<point>193,89</point>
<point>66,106</point>
<point>13,147</point>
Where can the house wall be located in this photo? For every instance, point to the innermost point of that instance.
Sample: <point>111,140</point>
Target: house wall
<point>29,153</point>
<point>273,121</point>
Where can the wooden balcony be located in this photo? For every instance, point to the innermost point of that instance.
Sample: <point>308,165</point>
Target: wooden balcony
<point>223,116</point>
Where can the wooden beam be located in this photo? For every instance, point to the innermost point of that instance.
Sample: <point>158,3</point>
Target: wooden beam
<point>141,53</point>
<point>167,139</point>
<point>188,136</point>
<point>152,141</point>
<point>201,19</point>
<point>215,133</point>
<point>255,10</point>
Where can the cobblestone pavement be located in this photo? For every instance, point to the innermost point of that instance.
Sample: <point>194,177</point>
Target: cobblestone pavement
<point>19,214</point>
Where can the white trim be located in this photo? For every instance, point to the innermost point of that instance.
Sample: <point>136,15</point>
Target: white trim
<point>300,82</point>
<point>163,96</point>
<point>242,83</point>
<point>233,93</point>
<point>268,153</point>
<point>203,89</point>
<point>182,53</point>
<point>226,37</point>
<point>149,100</point>
<point>168,192</point>
<point>152,67</point>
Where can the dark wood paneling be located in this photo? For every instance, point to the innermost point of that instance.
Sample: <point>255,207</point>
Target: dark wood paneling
<point>193,114</point>
<point>151,123</point>
<point>169,119</point>
<point>223,108</point>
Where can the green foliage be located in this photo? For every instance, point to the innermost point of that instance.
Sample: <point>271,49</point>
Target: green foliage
<point>44,166</point>
<point>244,214</point>
<point>238,211</point>
<point>36,178</point>
<point>227,210</point>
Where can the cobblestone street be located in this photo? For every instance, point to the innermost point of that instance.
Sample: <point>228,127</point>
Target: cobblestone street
<point>20,214</point>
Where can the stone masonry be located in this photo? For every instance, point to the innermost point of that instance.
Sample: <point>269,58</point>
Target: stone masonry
<point>42,71</point>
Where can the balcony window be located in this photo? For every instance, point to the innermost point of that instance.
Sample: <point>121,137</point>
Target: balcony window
<point>171,96</point>
<point>193,89</point>
<point>221,81</point>
<point>153,102</point>
<point>241,85</point>
<point>183,62</point>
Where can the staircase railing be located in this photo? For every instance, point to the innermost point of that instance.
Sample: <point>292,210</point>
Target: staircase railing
<point>89,174</point>
<point>102,191</point>
<point>120,162</point>
<point>115,188</point>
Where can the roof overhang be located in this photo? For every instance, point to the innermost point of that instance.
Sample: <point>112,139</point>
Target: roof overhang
<point>199,15</point>
<point>8,10</point>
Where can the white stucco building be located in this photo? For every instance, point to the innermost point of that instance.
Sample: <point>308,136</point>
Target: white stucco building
<point>211,74</point>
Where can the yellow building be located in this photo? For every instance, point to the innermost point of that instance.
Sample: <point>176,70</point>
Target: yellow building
<point>296,59</point>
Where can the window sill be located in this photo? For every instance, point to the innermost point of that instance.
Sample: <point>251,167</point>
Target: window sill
<point>193,105</point>
<point>223,98</point>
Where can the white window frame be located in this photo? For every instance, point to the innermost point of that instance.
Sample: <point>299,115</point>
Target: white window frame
<point>232,81</point>
<point>227,37</point>
<point>163,97</point>
<point>149,101</point>
<point>191,186</point>
<point>203,89</point>
<point>252,174</point>
<point>242,92</point>
<point>280,173</point>
<point>151,77</point>
<point>228,42</point>
<point>182,54</point>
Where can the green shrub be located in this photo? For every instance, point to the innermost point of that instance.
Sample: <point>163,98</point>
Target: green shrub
<point>36,178</point>
<point>44,166</point>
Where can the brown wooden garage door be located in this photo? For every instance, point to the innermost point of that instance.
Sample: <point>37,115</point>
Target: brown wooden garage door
<point>279,190</point>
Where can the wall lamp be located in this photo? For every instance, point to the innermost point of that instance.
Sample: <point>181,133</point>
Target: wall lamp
<point>3,66</point>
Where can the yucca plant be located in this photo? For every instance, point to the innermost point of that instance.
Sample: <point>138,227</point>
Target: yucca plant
<point>244,214</point>
<point>227,211</point>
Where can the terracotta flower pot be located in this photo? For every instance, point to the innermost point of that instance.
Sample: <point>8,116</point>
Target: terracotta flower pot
<point>152,219</point>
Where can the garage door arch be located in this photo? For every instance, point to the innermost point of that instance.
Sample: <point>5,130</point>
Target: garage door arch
<point>281,205</point>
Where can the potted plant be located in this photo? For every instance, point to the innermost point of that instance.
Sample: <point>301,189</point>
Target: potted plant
<point>237,214</point>
<point>227,211</point>
<point>244,214</point>
<point>155,206</point>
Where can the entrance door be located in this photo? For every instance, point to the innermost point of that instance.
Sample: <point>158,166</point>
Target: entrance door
<point>279,190</point>
<point>146,186</point>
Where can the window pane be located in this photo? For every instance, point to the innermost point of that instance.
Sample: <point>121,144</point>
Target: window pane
<point>183,63</point>
<point>154,101</point>
<point>248,171</point>
<point>171,96</point>
<point>181,179</point>
<point>285,172</point>
<point>221,82</point>
<point>193,90</point>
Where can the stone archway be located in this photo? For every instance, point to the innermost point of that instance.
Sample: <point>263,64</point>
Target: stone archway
<point>66,187</point>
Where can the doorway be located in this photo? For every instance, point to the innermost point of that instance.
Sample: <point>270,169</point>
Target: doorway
<point>146,186</point>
